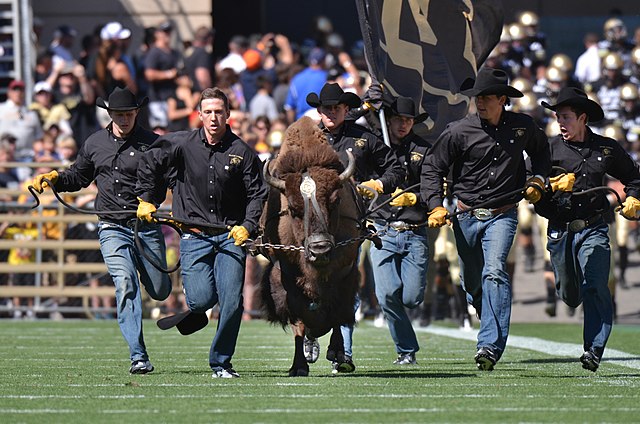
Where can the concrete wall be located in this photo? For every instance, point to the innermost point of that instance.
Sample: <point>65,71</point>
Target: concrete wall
<point>86,15</point>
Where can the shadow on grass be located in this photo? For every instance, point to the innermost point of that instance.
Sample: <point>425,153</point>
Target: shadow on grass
<point>569,360</point>
<point>548,361</point>
<point>386,374</point>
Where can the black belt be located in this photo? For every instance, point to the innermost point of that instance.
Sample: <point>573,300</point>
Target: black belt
<point>211,232</point>
<point>577,225</point>
<point>399,225</point>
<point>125,222</point>
<point>484,214</point>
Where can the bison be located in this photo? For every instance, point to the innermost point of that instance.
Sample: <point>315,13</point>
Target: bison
<point>311,210</point>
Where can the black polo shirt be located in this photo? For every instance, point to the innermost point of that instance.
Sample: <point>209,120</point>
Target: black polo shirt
<point>411,153</point>
<point>590,161</point>
<point>486,161</point>
<point>113,163</point>
<point>220,184</point>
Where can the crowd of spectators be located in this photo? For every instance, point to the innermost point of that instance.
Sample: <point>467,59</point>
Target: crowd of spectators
<point>267,78</point>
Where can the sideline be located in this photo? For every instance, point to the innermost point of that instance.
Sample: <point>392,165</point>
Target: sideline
<point>612,356</point>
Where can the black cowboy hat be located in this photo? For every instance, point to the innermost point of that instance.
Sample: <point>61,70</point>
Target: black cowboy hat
<point>489,81</point>
<point>405,106</point>
<point>121,99</point>
<point>331,94</point>
<point>571,96</point>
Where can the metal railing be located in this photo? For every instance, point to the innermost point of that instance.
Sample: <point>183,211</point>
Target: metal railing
<point>52,283</point>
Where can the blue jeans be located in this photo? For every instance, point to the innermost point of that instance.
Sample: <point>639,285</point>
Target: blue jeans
<point>581,263</point>
<point>483,247</point>
<point>124,263</point>
<point>347,331</point>
<point>213,272</point>
<point>400,270</point>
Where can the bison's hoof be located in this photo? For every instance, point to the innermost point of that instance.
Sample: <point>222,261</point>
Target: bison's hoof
<point>298,372</point>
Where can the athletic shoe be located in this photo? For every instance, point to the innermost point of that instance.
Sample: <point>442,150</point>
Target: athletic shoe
<point>228,373</point>
<point>590,361</point>
<point>311,349</point>
<point>334,367</point>
<point>140,367</point>
<point>550,309</point>
<point>485,359</point>
<point>406,359</point>
<point>345,363</point>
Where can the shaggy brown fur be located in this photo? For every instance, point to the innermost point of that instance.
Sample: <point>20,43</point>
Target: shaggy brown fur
<point>296,291</point>
<point>297,161</point>
<point>302,134</point>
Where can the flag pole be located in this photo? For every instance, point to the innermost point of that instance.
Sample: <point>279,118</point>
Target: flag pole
<point>383,124</point>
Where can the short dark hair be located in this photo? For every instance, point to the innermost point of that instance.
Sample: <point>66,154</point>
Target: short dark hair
<point>579,112</point>
<point>214,93</point>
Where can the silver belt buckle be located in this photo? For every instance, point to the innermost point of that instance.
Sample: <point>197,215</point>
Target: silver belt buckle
<point>577,225</point>
<point>483,214</point>
<point>399,225</point>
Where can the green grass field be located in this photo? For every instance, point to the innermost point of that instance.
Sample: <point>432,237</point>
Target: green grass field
<point>77,371</point>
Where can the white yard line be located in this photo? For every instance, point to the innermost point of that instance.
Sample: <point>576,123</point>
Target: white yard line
<point>572,350</point>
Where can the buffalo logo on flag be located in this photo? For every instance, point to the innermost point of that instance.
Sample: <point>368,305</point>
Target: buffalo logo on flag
<point>426,49</point>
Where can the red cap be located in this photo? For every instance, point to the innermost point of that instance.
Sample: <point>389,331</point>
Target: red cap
<point>16,84</point>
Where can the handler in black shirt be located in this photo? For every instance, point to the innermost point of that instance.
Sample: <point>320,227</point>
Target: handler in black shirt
<point>485,151</point>
<point>219,181</point>
<point>578,238</point>
<point>400,265</point>
<point>376,168</point>
<point>110,157</point>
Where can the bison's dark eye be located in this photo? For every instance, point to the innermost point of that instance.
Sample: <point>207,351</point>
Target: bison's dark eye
<point>295,213</point>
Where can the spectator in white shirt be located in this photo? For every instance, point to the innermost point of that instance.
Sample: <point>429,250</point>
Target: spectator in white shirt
<point>588,64</point>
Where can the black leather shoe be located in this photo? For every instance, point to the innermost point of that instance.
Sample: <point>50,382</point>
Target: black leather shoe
<point>345,363</point>
<point>590,361</point>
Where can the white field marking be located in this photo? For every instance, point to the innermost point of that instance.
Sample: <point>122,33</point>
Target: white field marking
<point>402,410</point>
<point>38,411</point>
<point>312,396</point>
<point>614,356</point>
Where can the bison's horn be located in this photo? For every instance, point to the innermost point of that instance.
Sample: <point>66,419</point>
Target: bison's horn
<point>351,167</point>
<point>273,181</point>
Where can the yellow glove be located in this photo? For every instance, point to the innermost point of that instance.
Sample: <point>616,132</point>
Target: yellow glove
<point>405,199</point>
<point>630,208</point>
<point>373,184</point>
<point>239,234</point>
<point>563,182</point>
<point>437,217</point>
<point>532,194</point>
<point>145,211</point>
<point>40,185</point>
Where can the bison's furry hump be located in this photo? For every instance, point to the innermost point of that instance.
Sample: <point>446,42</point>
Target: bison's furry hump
<point>321,155</point>
<point>302,134</point>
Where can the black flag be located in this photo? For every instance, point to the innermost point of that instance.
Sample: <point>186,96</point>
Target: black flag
<point>426,49</point>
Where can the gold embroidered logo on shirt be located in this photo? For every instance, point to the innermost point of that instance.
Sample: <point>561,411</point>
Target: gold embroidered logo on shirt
<point>519,132</point>
<point>359,142</point>
<point>416,156</point>
<point>143,148</point>
<point>606,151</point>
<point>235,159</point>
